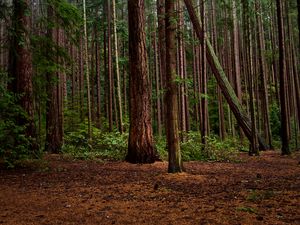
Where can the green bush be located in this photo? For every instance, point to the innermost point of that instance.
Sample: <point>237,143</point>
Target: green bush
<point>192,148</point>
<point>14,144</point>
<point>110,146</point>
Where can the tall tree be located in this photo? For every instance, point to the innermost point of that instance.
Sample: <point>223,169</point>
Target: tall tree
<point>173,143</point>
<point>162,50</point>
<point>86,55</point>
<point>285,150</point>
<point>263,73</point>
<point>119,98</point>
<point>236,56</point>
<point>109,68</point>
<point>204,102</point>
<point>53,132</point>
<point>21,66</point>
<point>140,143</point>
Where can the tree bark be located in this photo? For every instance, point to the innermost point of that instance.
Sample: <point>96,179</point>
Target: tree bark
<point>109,69</point>
<point>285,150</point>
<point>140,143</point>
<point>87,73</point>
<point>53,142</point>
<point>162,51</point>
<point>21,68</point>
<point>204,102</point>
<point>119,98</point>
<point>175,163</point>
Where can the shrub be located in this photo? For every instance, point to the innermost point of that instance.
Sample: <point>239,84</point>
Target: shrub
<point>14,144</point>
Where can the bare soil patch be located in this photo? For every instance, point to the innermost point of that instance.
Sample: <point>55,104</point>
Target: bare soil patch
<point>257,190</point>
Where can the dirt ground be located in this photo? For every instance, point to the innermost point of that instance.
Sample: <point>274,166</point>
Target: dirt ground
<point>257,190</point>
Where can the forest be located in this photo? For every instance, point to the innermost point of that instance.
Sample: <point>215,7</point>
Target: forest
<point>189,109</point>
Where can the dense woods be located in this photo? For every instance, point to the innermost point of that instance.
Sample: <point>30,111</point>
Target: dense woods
<point>128,80</point>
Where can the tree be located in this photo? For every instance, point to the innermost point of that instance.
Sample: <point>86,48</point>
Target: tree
<point>203,81</point>
<point>283,82</point>
<point>117,67</point>
<point>140,143</point>
<point>87,72</point>
<point>263,73</point>
<point>53,123</point>
<point>173,144</point>
<point>21,67</point>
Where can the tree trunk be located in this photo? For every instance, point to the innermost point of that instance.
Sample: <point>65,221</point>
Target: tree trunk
<point>98,81</point>
<point>283,82</point>
<point>140,143</point>
<point>222,80</point>
<point>263,74</point>
<point>21,68</point>
<point>204,102</point>
<point>236,57</point>
<point>157,87</point>
<point>162,51</point>
<point>87,72</point>
<point>175,163</point>
<point>119,98</point>
<point>109,69</point>
<point>53,140</point>
<point>180,62</point>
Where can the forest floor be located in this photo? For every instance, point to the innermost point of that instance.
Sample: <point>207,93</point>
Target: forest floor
<point>255,190</point>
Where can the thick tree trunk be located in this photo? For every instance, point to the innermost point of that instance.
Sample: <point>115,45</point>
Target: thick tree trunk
<point>21,68</point>
<point>140,143</point>
<point>222,80</point>
<point>175,163</point>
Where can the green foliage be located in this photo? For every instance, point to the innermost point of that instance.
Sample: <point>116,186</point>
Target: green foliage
<point>160,145</point>
<point>66,16</point>
<point>110,146</point>
<point>192,148</point>
<point>275,120</point>
<point>14,144</point>
<point>215,150</point>
<point>226,150</point>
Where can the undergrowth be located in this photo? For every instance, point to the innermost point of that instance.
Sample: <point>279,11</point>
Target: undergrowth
<point>113,146</point>
<point>109,146</point>
<point>215,150</point>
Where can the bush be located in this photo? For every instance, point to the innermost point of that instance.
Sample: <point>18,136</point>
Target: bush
<point>14,144</point>
<point>192,149</point>
<point>110,146</point>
